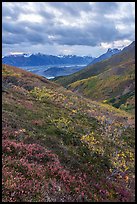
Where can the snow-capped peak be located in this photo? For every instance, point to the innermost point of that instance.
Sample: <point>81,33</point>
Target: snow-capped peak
<point>109,50</point>
<point>16,54</point>
<point>113,50</point>
<point>61,56</point>
<point>27,55</point>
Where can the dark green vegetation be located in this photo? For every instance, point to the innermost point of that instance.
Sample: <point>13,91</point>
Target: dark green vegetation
<point>111,81</point>
<point>58,146</point>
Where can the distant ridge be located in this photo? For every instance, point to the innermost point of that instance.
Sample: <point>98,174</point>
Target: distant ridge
<point>110,52</point>
<point>40,59</point>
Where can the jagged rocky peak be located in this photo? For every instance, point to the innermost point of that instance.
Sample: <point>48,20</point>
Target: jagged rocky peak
<point>113,50</point>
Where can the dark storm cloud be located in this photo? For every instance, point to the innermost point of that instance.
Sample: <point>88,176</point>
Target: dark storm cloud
<point>30,36</point>
<point>13,27</point>
<point>64,23</point>
<point>10,38</point>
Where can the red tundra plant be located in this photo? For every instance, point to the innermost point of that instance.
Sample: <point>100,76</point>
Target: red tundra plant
<point>30,172</point>
<point>27,170</point>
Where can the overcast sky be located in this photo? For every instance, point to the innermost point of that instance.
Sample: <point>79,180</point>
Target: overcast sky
<point>81,28</point>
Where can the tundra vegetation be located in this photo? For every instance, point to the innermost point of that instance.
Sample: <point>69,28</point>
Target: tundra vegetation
<point>59,146</point>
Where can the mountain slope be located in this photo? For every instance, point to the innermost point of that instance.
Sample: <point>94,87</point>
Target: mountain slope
<point>111,81</point>
<point>110,52</point>
<point>58,146</point>
<point>92,70</point>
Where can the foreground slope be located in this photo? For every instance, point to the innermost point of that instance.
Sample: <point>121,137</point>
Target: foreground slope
<point>111,81</point>
<point>58,146</point>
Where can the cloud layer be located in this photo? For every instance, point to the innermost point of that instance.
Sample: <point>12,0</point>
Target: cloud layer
<point>49,26</point>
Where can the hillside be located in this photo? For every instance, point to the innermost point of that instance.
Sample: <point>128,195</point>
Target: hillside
<point>126,54</point>
<point>58,146</point>
<point>111,81</point>
<point>110,52</point>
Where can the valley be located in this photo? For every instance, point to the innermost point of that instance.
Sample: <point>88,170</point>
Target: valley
<point>51,71</point>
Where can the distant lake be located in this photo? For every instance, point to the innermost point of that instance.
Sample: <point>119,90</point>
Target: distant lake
<point>65,69</point>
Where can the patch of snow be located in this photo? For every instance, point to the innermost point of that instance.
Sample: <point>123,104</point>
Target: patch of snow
<point>27,55</point>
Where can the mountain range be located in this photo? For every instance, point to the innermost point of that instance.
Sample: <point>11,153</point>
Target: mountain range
<point>37,63</point>
<point>40,59</point>
<point>43,59</point>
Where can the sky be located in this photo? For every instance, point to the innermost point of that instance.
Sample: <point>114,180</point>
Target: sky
<point>66,28</point>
